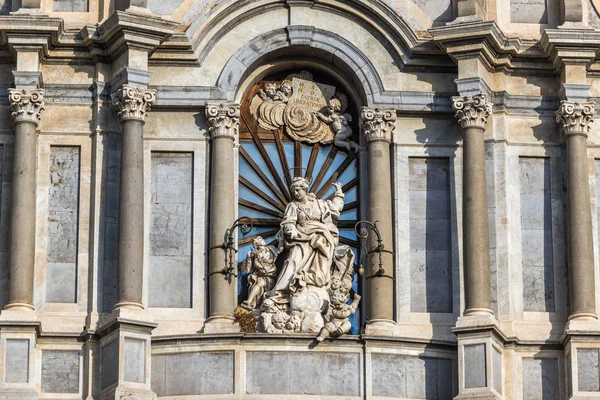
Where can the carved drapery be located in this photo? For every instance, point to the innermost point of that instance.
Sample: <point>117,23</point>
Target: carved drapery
<point>575,118</point>
<point>26,104</point>
<point>378,124</point>
<point>133,102</point>
<point>223,120</point>
<point>472,111</point>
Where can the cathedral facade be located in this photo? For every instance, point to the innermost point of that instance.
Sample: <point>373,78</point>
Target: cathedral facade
<point>299,199</point>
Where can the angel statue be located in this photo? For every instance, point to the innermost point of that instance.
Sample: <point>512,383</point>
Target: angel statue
<point>340,124</point>
<point>261,261</point>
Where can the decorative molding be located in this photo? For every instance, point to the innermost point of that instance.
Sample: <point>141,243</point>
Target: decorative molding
<point>378,124</point>
<point>223,120</point>
<point>26,105</point>
<point>575,118</point>
<point>132,102</point>
<point>472,111</point>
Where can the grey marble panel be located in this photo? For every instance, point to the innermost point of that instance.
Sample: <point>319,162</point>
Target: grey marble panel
<point>475,366</point>
<point>135,360</point>
<point>430,235</point>
<point>401,376</point>
<point>17,361</point>
<point>497,370</point>
<point>63,213</point>
<point>540,379</point>
<point>111,220</point>
<point>110,363</point>
<point>191,374</point>
<point>70,5</point>
<point>161,7</point>
<point>171,230</point>
<point>302,373</point>
<point>528,11</point>
<point>536,235</point>
<point>60,371</point>
<point>588,374</point>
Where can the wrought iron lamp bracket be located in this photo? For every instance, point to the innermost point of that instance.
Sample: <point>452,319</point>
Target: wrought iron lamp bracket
<point>245,224</point>
<point>363,234</point>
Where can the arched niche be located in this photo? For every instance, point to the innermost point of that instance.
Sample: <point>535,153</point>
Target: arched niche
<point>271,154</point>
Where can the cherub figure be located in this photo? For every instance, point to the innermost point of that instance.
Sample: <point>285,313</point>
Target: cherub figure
<point>284,92</point>
<point>340,311</point>
<point>269,92</point>
<point>340,124</point>
<point>262,262</point>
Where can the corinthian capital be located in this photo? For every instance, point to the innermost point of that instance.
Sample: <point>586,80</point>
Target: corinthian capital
<point>223,119</point>
<point>378,124</point>
<point>132,102</point>
<point>575,118</point>
<point>26,105</point>
<point>472,111</point>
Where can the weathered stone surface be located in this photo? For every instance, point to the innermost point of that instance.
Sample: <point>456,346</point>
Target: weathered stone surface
<point>587,370</point>
<point>60,371</point>
<point>110,363</point>
<point>70,5</point>
<point>412,377</point>
<point>17,361</point>
<point>190,374</point>
<point>497,370</point>
<point>135,360</point>
<point>540,379</point>
<point>430,240</point>
<point>63,213</point>
<point>171,230</point>
<point>302,373</point>
<point>475,366</point>
<point>536,235</point>
<point>528,11</point>
<point>162,7</point>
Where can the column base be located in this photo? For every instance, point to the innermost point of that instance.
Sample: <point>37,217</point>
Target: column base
<point>380,327</point>
<point>221,324</point>
<point>487,395</point>
<point>125,392</point>
<point>18,312</point>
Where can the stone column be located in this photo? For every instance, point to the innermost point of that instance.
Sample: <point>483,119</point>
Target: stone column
<point>574,119</point>
<point>378,126</point>
<point>132,103</point>
<point>223,123</point>
<point>472,113</point>
<point>26,106</point>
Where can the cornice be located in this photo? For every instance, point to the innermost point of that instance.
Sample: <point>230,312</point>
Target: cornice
<point>124,30</point>
<point>571,46</point>
<point>30,31</point>
<point>485,41</point>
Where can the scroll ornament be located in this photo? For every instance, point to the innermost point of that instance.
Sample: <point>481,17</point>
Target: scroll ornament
<point>274,108</point>
<point>575,118</point>
<point>133,102</point>
<point>472,111</point>
<point>26,105</point>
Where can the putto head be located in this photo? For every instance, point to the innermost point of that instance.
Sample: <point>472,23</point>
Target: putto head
<point>258,242</point>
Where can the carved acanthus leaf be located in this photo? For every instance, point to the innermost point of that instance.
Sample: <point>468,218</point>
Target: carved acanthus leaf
<point>26,105</point>
<point>472,111</point>
<point>378,124</point>
<point>133,102</point>
<point>223,120</point>
<point>575,118</point>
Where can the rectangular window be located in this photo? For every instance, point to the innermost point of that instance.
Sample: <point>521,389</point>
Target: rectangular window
<point>170,277</point>
<point>430,239</point>
<point>63,214</point>
<point>536,235</point>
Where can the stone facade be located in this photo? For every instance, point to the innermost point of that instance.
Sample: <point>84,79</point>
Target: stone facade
<point>145,145</point>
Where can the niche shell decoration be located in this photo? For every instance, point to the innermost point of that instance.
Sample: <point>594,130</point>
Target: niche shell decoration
<point>307,111</point>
